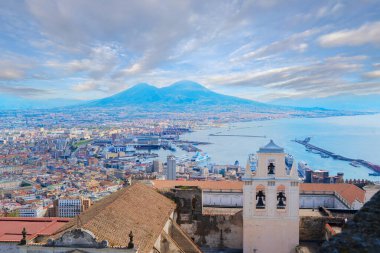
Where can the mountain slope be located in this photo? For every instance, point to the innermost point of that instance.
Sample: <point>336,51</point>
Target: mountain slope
<point>179,94</point>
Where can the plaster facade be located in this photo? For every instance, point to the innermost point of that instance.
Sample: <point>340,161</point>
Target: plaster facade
<point>271,204</point>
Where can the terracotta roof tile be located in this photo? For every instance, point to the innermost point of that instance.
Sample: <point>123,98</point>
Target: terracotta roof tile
<point>11,227</point>
<point>137,208</point>
<point>204,185</point>
<point>349,192</point>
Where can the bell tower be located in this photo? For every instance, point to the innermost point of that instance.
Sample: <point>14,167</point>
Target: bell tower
<point>271,204</point>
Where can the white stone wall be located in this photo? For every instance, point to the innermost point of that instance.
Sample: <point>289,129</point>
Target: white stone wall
<point>227,199</point>
<point>315,201</point>
<point>8,247</point>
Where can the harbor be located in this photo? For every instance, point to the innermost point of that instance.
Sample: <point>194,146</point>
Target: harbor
<point>238,135</point>
<point>326,154</point>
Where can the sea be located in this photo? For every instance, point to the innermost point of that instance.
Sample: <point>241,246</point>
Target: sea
<point>350,136</point>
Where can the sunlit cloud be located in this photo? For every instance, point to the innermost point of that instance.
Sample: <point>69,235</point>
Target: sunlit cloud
<point>254,49</point>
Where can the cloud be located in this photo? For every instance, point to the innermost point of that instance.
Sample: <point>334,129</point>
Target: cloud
<point>22,91</point>
<point>101,62</point>
<point>329,9</point>
<point>320,78</point>
<point>10,73</point>
<point>86,86</point>
<point>13,67</point>
<point>295,42</point>
<point>87,48</point>
<point>373,74</point>
<point>366,34</point>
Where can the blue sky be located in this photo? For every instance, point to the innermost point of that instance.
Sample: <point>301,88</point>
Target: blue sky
<point>261,50</point>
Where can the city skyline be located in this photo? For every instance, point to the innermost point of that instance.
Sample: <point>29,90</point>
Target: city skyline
<point>260,50</point>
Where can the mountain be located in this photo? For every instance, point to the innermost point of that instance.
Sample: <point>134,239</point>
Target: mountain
<point>346,102</point>
<point>178,95</point>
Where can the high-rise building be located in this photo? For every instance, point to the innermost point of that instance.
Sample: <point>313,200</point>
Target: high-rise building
<point>157,166</point>
<point>171,168</point>
<point>271,204</point>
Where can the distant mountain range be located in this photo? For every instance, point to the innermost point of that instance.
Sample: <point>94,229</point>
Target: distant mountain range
<point>191,96</point>
<point>178,95</point>
<point>348,102</point>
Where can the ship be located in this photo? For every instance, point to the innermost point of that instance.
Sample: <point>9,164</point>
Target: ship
<point>302,167</point>
<point>252,162</point>
<point>355,164</point>
<point>200,157</point>
<point>289,159</point>
<point>324,155</point>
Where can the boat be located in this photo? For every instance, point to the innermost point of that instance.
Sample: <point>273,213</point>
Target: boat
<point>200,157</point>
<point>324,155</point>
<point>171,147</point>
<point>252,162</point>
<point>355,164</point>
<point>289,159</point>
<point>376,174</point>
<point>302,167</point>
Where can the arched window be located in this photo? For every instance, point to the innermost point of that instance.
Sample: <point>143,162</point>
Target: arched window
<point>260,197</point>
<point>281,198</point>
<point>271,167</point>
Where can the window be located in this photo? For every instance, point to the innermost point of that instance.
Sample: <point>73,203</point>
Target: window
<point>281,198</point>
<point>271,168</point>
<point>260,197</point>
<point>294,183</point>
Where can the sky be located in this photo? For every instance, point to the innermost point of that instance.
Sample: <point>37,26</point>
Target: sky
<point>259,49</point>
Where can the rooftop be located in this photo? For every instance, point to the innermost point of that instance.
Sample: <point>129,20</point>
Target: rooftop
<point>349,192</point>
<point>271,147</point>
<point>11,227</point>
<point>204,185</point>
<point>137,208</point>
<point>213,211</point>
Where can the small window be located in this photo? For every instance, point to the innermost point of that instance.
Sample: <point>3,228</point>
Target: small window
<point>294,183</point>
<point>271,168</point>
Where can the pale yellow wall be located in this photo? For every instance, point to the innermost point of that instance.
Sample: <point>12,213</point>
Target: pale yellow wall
<point>271,229</point>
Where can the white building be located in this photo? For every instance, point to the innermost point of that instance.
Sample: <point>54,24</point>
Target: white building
<point>171,168</point>
<point>71,207</point>
<point>31,211</point>
<point>271,204</point>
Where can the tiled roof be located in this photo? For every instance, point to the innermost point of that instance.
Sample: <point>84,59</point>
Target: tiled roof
<point>204,185</point>
<point>138,208</point>
<point>11,227</point>
<point>349,192</point>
